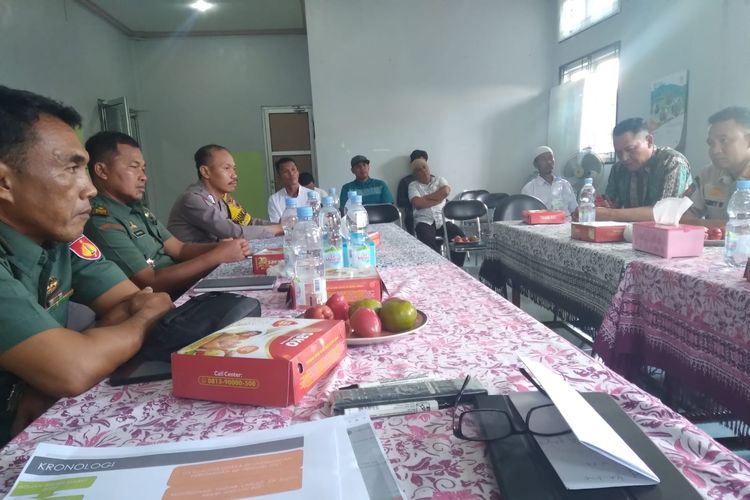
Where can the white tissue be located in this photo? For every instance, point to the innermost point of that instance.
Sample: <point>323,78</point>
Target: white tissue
<point>669,211</point>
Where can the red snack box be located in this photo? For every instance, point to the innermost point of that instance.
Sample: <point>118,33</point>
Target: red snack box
<point>259,361</point>
<point>353,283</point>
<point>544,217</point>
<point>668,241</point>
<point>265,258</point>
<point>599,232</point>
<point>375,236</point>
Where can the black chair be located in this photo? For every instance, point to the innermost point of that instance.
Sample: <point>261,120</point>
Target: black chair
<point>511,207</point>
<point>472,195</point>
<point>383,212</point>
<point>404,204</point>
<point>464,211</point>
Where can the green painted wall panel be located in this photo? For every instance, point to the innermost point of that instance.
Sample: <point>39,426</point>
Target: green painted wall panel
<point>251,188</point>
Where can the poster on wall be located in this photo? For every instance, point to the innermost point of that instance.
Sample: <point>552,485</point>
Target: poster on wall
<point>668,120</point>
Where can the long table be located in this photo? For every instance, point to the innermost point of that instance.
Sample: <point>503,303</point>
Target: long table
<point>471,330</point>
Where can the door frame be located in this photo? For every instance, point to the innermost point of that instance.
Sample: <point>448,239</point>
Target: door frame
<point>268,110</point>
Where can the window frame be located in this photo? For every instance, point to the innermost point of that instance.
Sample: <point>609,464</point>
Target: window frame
<point>584,26</point>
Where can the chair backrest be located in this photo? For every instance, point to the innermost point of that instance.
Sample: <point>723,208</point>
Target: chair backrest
<point>511,207</point>
<point>464,210</point>
<point>402,192</point>
<point>492,200</point>
<point>472,195</point>
<point>383,212</point>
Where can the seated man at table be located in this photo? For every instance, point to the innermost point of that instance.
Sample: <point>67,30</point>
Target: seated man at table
<point>427,195</point>
<point>130,235</point>
<point>541,186</point>
<point>306,179</point>
<point>206,212</point>
<point>729,150</point>
<point>644,174</point>
<point>287,170</point>
<point>373,191</point>
<point>45,263</point>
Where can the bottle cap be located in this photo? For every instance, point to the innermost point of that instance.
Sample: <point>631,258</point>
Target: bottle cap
<point>588,180</point>
<point>291,202</point>
<point>304,212</point>
<point>743,184</point>
<point>327,201</point>
<point>357,199</point>
<point>332,191</point>
<point>351,194</point>
<point>313,195</point>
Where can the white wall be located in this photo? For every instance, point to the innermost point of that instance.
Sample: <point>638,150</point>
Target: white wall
<point>466,80</point>
<point>709,38</point>
<point>196,91</point>
<point>60,50</point>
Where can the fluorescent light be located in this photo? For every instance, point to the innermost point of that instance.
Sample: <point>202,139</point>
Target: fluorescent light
<point>201,5</point>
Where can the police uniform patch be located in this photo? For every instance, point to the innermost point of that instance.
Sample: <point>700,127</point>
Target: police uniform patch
<point>52,285</point>
<point>132,225</point>
<point>85,249</point>
<point>100,211</point>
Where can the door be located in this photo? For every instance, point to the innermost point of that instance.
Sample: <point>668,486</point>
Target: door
<point>289,132</point>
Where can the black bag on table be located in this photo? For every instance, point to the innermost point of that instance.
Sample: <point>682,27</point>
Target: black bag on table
<point>193,320</point>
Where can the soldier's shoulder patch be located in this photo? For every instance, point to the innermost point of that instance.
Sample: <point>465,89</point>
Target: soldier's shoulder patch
<point>100,211</point>
<point>85,249</point>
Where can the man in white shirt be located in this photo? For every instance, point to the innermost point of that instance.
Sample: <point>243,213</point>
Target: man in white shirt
<point>541,186</point>
<point>427,195</point>
<point>287,170</point>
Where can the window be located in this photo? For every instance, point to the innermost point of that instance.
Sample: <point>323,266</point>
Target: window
<point>577,15</point>
<point>600,73</point>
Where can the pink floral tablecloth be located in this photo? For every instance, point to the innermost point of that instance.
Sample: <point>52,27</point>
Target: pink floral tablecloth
<point>688,316</point>
<point>471,330</point>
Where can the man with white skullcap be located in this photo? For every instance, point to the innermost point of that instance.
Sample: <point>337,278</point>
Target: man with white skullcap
<point>541,186</point>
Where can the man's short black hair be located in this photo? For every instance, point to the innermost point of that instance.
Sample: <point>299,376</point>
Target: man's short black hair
<point>632,125</point>
<point>306,178</point>
<point>283,160</point>
<point>203,154</point>
<point>102,146</point>
<point>418,153</point>
<point>739,114</point>
<point>19,111</point>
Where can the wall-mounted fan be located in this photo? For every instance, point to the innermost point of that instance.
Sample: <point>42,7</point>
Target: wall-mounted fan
<point>580,166</point>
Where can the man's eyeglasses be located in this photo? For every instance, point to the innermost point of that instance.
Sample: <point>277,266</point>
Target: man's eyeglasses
<point>490,425</point>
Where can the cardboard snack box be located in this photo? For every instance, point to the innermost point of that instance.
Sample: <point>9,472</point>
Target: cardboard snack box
<point>259,361</point>
<point>265,258</point>
<point>353,283</point>
<point>668,241</point>
<point>544,217</point>
<point>375,237</point>
<point>599,232</point>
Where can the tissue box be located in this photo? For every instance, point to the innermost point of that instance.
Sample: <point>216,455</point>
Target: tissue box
<point>353,283</point>
<point>668,241</point>
<point>259,361</point>
<point>375,237</point>
<point>544,216</point>
<point>599,232</point>
<point>265,258</point>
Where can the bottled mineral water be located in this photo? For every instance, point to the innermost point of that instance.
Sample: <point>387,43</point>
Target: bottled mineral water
<point>356,216</point>
<point>348,204</point>
<point>329,221</point>
<point>556,195</point>
<point>359,251</point>
<point>313,201</point>
<point>332,194</point>
<point>737,232</point>
<point>309,278</point>
<point>287,221</point>
<point>587,201</point>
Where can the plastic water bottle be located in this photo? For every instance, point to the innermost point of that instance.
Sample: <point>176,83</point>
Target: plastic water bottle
<point>359,251</point>
<point>288,221</point>
<point>356,216</point>
<point>586,202</point>
<point>556,195</point>
<point>348,204</point>
<point>313,201</point>
<point>737,231</point>
<point>332,194</point>
<point>309,278</point>
<point>329,221</point>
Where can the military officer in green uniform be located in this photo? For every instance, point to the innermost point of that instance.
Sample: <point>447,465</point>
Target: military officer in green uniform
<point>130,235</point>
<point>45,263</point>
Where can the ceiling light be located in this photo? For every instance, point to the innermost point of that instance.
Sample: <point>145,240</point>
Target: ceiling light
<point>201,5</point>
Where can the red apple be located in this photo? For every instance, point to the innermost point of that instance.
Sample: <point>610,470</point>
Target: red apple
<point>715,233</point>
<point>339,306</point>
<point>319,312</point>
<point>366,323</point>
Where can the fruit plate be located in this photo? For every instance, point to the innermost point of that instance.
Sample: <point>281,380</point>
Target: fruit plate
<point>467,243</point>
<point>713,243</point>
<point>388,336</point>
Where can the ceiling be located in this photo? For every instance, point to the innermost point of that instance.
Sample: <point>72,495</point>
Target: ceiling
<point>165,18</point>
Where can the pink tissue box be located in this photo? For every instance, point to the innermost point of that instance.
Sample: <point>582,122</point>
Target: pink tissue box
<point>668,241</point>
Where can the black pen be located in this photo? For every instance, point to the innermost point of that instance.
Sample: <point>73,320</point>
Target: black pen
<point>531,379</point>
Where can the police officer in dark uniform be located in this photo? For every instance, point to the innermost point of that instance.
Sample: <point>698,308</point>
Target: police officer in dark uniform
<point>129,234</point>
<point>45,262</point>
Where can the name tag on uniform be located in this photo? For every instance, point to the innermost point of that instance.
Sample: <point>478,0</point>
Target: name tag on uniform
<point>58,299</point>
<point>138,233</point>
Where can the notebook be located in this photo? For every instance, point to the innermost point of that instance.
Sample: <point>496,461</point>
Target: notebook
<point>238,283</point>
